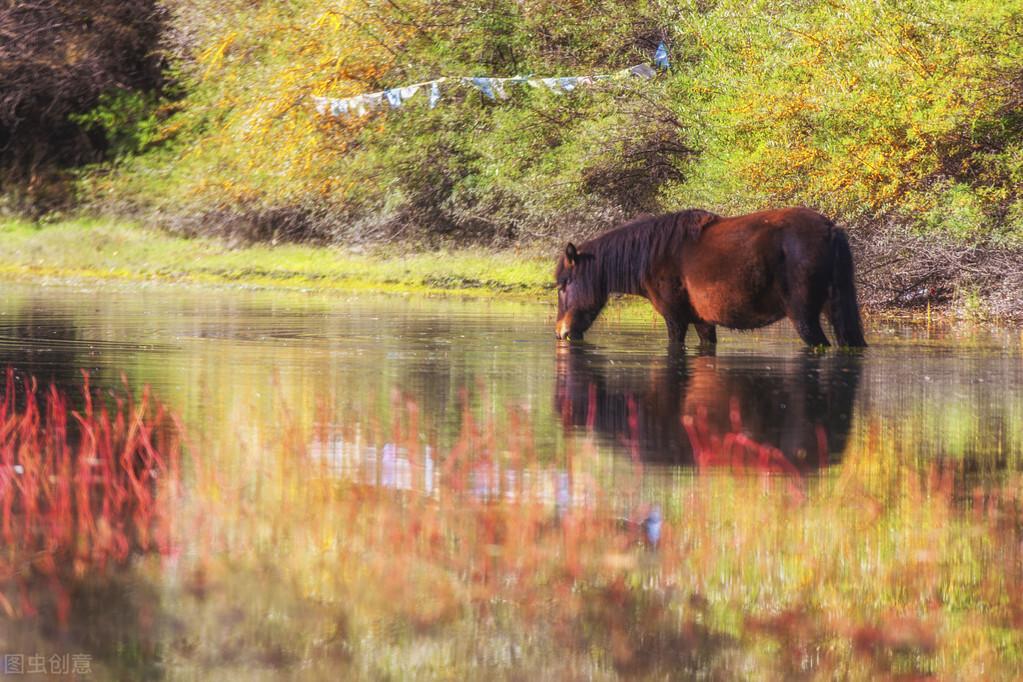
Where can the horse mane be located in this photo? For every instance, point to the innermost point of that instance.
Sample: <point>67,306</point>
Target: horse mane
<point>627,253</point>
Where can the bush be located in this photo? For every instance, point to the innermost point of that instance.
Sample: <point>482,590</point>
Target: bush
<point>469,170</point>
<point>57,60</point>
<point>877,113</point>
<point>958,211</point>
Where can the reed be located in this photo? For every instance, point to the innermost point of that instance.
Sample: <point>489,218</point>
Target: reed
<point>81,490</point>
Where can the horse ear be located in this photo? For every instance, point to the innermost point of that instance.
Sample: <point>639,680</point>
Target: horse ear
<point>571,255</point>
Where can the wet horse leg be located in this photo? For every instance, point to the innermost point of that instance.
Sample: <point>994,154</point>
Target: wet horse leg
<point>708,333</point>
<point>804,308</point>
<point>676,329</point>
<point>804,285</point>
<point>673,307</point>
<point>810,331</point>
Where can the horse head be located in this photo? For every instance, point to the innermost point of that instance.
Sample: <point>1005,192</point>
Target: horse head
<point>581,296</point>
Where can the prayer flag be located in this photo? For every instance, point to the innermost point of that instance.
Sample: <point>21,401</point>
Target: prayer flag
<point>338,107</point>
<point>661,56</point>
<point>642,70</point>
<point>408,91</point>
<point>484,85</point>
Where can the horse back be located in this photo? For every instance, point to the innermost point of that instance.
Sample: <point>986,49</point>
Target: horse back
<point>735,273</point>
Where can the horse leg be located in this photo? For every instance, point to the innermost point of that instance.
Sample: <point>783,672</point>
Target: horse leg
<point>676,330</point>
<point>806,318</point>
<point>670,302</point>
<point>708,333</point>
<point>809,330</point>
<point>804,290</point>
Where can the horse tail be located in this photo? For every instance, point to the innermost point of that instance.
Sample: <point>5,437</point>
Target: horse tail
<point>845,312</point>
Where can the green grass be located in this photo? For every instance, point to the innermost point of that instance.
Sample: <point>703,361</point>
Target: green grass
<point>106,249</point>
<point>83,249</point>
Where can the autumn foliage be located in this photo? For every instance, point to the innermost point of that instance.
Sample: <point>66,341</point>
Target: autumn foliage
<point>59,60</point>
<point>901,120</point>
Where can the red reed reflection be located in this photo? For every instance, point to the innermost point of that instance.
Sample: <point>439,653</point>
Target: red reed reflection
<point>79,490</point>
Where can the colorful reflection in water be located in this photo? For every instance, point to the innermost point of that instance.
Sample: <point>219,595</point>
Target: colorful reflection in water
<point>377,488</point>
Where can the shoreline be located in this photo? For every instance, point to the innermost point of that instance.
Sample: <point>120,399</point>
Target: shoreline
<point>98,249</point>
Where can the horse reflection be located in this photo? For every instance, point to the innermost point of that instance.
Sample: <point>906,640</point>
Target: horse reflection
<point>785,414</point>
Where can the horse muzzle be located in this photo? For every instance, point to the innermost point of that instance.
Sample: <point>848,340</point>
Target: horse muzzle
<point>564,331</point>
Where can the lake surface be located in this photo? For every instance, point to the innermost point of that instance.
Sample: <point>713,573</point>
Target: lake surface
<point>383,487</point>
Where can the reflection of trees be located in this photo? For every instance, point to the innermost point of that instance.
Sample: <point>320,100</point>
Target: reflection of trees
<point>779,403</point>
<point>41,345</point>
<point>437,361</point>
<point>961,403</point>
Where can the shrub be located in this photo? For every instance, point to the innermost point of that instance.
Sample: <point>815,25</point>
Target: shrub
<point>57,60</point>
<point>895,114</point>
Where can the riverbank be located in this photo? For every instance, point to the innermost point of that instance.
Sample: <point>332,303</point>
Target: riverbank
<point>98,249</point>
<point>115,250</point>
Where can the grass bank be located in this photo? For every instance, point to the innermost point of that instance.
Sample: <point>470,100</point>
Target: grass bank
<point>84,249</point>
<point>104,249</point>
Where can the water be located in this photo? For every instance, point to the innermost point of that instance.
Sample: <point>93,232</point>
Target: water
<point>520,493</point>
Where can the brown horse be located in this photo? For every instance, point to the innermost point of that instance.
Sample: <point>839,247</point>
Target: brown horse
<point>703,269</point>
